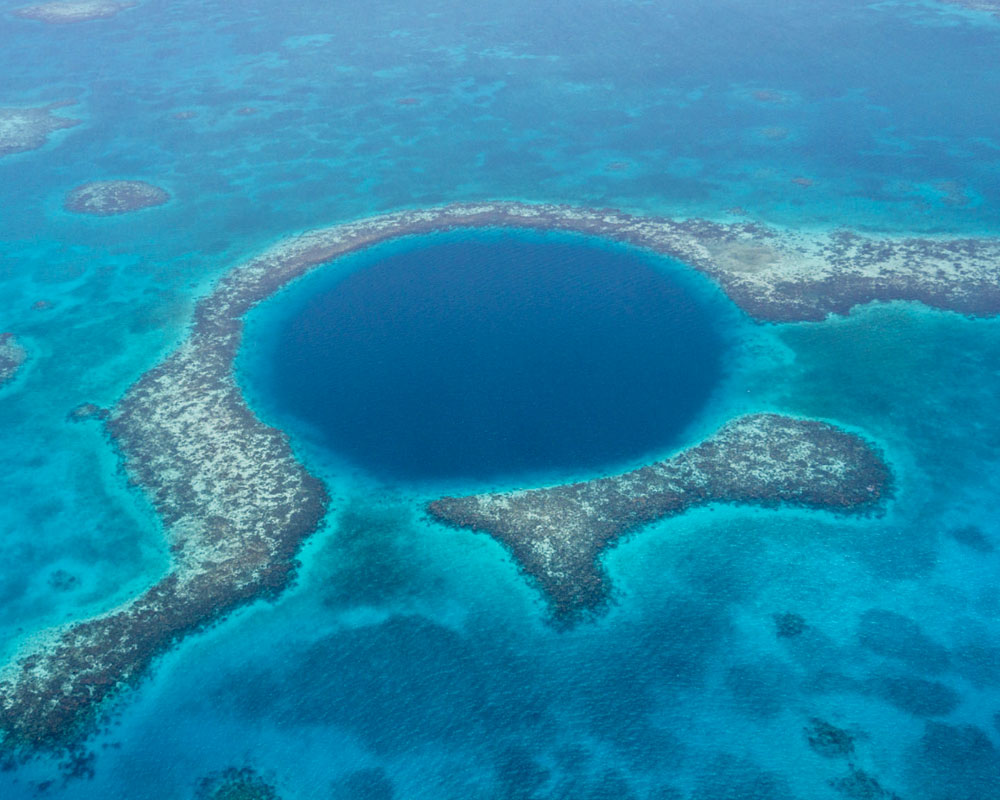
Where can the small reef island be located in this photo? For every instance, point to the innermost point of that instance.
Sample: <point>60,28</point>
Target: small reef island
<point>58,13</point>
<point>237,504</point>
<point>12,356</point>
<point>23,129</point>
<point>557,534</point>
<point>107,198</point>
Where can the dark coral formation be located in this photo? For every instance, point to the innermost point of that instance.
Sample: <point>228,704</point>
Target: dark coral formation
<point>973,537</point>
<point>859,785</point>
<point>370,783</point>
<point>106,198</point>
<point>955,762</point>
<point>12,356</point>
<point>789,625</point>
<point>236,784</point>
<point>24,129</point>
<point>892,635</point>
<point>828,740</point>
<point>66,11</point>
<point>917,696</point>
<point>557,535</point>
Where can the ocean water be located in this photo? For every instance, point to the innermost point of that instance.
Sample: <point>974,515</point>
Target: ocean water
<point>413,661</point>
<point>484,355</point>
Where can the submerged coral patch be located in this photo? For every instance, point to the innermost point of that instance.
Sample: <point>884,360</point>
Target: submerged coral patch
<point>236,784</point>
<point>24,129</point>
<point>72,10</point>
<point>12,356</point>
<point>105,198</point>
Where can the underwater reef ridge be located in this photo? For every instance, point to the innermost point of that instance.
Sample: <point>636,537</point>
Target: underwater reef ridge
<point>558,534</point>
<point>237,505</point>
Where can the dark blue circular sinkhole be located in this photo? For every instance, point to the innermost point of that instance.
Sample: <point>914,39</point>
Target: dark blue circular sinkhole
<point>490,354</point>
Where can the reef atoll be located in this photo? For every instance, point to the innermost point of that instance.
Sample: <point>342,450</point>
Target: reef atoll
<point>237,505</point>
<point>12,356</point>
<point>105,198</point>
<point>557,534</point>
<point>24,129</point>
<point>71,11</point>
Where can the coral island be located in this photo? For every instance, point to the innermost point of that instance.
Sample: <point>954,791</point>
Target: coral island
<point>105,198</point>
<point>558,534</point>
<point>24,129</point>
<point>12,356</point>
<point>237,504</point>
<point>72,11</point>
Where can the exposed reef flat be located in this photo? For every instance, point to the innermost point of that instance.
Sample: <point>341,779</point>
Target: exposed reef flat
<point>237,505</point>
<point>12,356</point>
<point>105,198</point>
<point>72,11</point>
<point>24,129</point>
<point>557,535</point>
<point>772,274</point>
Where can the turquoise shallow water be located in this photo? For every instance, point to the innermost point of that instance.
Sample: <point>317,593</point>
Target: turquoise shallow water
<point>411,660</point>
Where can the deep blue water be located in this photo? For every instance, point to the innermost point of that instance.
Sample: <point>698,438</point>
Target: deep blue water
<point>413,661</point>
<point>487,354</point>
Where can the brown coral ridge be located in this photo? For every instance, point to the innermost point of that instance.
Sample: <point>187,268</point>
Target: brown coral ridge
<point>107,198</point>
<point>23,129</point>
<point>66,11</point>
<point>557,535</point>
<point>12,356</point>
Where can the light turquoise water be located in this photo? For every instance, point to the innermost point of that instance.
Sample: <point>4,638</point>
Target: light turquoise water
<point>420,651</point>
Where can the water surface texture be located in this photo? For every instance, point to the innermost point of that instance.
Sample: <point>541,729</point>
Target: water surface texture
<point>413,661</point>
<point>479,355</point>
